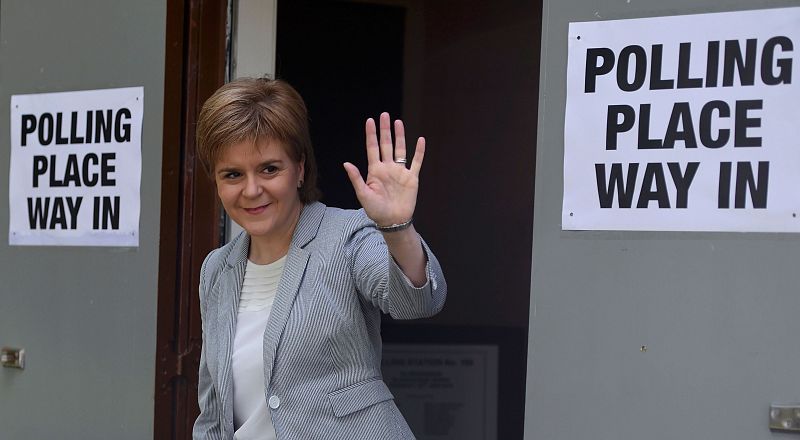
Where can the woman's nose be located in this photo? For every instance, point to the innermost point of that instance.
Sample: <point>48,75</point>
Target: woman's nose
<point>251,188</point>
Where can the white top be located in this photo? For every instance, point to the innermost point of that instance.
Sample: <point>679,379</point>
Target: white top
<point>251,416</point>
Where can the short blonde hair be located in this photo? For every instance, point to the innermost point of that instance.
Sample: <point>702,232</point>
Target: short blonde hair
<point>256,109</point>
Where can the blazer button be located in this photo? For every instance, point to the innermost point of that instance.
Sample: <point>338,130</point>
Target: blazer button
<point>274,402</point>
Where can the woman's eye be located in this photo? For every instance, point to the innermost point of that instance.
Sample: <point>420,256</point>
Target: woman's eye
<point>270,169</point>
<point>231,175</point>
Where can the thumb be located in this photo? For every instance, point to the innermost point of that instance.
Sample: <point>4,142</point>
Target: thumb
<point>355,178</point>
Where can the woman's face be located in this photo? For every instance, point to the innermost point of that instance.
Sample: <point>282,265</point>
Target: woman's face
<point>257,184</point>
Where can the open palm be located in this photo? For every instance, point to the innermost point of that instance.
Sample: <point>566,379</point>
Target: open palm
<point>389,195</point>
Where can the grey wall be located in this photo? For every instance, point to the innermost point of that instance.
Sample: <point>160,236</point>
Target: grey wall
<point>717,311</point>
<point>86,316</point>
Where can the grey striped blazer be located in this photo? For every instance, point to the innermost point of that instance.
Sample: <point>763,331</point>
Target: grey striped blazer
<point>322,345</point>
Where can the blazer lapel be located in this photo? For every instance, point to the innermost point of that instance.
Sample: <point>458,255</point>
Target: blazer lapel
<point>230,286</point>
<point>293,272</point>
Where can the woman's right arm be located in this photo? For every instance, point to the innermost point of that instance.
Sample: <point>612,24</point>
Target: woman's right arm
<point>207,426</point>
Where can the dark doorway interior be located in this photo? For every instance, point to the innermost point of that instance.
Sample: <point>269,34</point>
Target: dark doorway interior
<point>346,60</point>
<point>465,75</point>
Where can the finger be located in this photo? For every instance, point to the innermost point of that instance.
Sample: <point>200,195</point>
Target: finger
<point>355,178</point>
<point>419,155</point>
<point>373,154</point>
<point>386,139</point>
<point>399,140</point>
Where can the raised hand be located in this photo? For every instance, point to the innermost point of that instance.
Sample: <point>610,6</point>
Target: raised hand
<point>389,195</point>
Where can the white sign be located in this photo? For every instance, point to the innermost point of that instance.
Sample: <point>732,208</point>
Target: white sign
<point>76,166</point>
<point>444,391</point>
<point>686,123</point>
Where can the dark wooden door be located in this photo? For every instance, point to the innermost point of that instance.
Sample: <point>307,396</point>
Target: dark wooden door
<point>191,224</point>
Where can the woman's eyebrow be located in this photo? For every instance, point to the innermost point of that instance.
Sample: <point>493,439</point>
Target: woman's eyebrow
<point>227,169</point>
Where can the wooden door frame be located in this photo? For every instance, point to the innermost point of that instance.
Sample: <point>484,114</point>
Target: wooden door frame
<point>191,226</point>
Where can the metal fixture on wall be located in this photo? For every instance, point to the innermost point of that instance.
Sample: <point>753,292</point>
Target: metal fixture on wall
<point>12,357</point>
<point>785,417</point>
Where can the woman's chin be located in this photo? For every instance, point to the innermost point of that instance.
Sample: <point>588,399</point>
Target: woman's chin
<point>257,230</point>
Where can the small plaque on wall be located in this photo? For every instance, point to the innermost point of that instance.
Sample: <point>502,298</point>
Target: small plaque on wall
<point>444,391</point>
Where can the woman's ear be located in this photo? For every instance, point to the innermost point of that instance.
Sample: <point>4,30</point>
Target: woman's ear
<point>301,172</point>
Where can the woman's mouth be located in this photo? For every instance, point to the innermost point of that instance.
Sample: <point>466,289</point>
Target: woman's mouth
<point>256,210</point>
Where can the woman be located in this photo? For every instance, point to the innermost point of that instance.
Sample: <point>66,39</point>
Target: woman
<point>291,307</point>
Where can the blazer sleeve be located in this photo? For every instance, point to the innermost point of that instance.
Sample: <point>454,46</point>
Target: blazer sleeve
<point>207,426</point>
<point>380,280</point>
